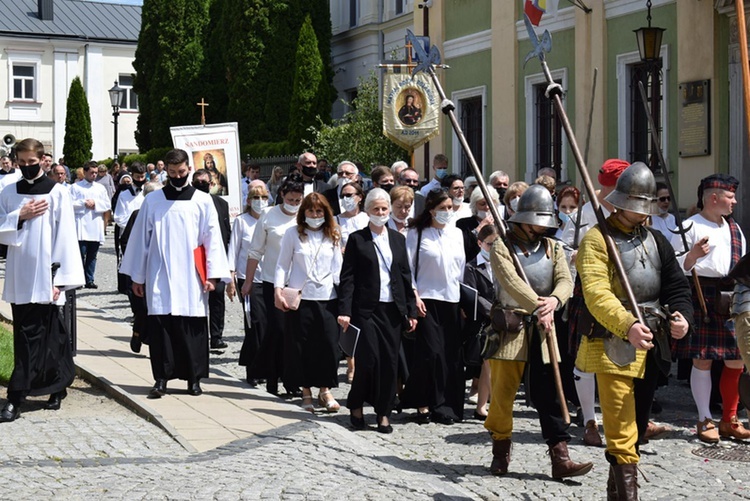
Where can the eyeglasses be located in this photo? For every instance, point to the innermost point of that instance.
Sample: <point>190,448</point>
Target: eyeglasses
<point>346,174</point>
<point>665,199</point>
<point>347,195</point>
<point>410,182</point>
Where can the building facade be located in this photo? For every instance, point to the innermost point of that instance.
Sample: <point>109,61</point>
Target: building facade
<point>46,44</point>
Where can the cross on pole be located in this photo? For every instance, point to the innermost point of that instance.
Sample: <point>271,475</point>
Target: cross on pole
<point>203,105</point>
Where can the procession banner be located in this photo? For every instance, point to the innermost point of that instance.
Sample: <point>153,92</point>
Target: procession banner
<point>215,147</point>
<point>411,107</point>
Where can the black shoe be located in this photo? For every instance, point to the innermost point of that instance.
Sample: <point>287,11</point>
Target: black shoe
<point>479,417</point>
<point>385,428</point>
<point>135,343</point>
<point>293,393</point>
<point>218,344</point>
<point>10,412</point>
<point>55,400</point>
<point>159,389</point>
<point>442,419</point>
<point>358,423</point>
<point>252,382</point>
<point>272,387</point>
<point>423,417</point>
<point>91,285</point>
<point>195,388</point>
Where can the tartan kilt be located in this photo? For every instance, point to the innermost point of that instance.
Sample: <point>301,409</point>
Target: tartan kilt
<point>713,340</point>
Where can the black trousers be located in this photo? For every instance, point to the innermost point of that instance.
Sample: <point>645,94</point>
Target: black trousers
<point>255,331</point>
<point>269,363</point>
<point>41,352</point>
<point>178,347</point>
<point>216,309</point>
<point>644,390</point>
<point>377,359</point>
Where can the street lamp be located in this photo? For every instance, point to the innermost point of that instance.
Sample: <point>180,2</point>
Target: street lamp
<point>115,97</point>
<point>649,48</point>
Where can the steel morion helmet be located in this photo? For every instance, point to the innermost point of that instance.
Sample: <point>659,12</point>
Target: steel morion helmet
<point>635,190</point>
<point>535,207</point>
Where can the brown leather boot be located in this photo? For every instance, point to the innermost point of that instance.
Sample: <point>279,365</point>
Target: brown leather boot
<point>500,456</point>
<point>611,485</point>
<point>562,466</point>
<point>626,478</point>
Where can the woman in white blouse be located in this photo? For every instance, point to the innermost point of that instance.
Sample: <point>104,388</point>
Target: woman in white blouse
<point>436,385</point>
<point>351,218</point>
<point>310,261</point>
<point>402,198</point>
<point>454,185</point>
<point>243,229</point>
<point>264,249</point>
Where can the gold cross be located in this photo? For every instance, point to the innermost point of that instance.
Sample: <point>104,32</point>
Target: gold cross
<point>203,105</point>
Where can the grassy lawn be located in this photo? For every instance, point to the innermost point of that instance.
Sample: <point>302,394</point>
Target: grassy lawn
<point>6,353</point>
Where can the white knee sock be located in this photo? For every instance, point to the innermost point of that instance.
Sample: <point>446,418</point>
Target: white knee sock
<point>700,384</point>
<point>586,389</point>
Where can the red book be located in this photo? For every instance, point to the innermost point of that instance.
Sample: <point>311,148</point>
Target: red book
<point>199,255</point>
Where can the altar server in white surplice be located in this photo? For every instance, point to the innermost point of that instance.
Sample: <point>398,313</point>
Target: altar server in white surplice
<point>160,259</point>
<point>37,225</point>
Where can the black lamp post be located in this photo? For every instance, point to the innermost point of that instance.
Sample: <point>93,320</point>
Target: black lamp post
<point>115,97</point>
<point>649,48</point>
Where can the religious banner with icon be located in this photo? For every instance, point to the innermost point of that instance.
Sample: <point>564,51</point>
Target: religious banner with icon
<point>216,148</point>
<point>411,107</point>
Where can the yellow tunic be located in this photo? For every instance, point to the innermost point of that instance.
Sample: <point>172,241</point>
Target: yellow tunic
<point>515,346</point>
<point>600,283</point>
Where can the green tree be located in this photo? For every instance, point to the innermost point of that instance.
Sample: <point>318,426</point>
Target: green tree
<point>358,136</point>
<point>303,106</point>
<point>145,65</point>
<point>78,142</point>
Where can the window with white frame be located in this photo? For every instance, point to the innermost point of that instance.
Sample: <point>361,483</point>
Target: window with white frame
<point>129,99</point>
<point>545,141</point>
<point>24,78</point>
<point>470,111</point>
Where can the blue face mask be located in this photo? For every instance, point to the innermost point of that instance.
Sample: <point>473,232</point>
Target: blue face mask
<point>441,173</point>
<point>564,218</point>
<point>485,254</point>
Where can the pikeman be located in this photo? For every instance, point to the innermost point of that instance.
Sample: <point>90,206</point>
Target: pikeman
<point>615,343</point>
<point>521,341</point>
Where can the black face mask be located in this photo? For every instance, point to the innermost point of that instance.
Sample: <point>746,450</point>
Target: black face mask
<point>178,182</point>
<point>501,193</point>
<point>139,183</point>
<point>309,171</point>
<point>202,186</point>
<point>30,171</point>
<point>387,187</point>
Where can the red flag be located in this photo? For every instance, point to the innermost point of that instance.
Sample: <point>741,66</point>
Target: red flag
<point>533,12</point>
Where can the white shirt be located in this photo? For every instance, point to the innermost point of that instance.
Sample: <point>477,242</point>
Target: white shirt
<point>127,203</point>
<point>488,267</point>
<point>463,211</point>
<point>385,262</point>
<point>441,262</point>
<point>351,224</point>
<point>243,229</point>
<point>664,224</point>
<point>717,262</point>
<point>433,184</point>
<point>588,219</point>
<point>313,266</point>
<point>266,241</point>
<point>392,225</point>
<point>90,222</point>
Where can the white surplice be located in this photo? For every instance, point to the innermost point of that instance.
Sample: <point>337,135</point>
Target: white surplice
<point>90,222</point>
<point>127,203</point>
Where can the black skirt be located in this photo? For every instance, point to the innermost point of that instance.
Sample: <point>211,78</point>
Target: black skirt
<point>255,331</point>
<point>315,353</point>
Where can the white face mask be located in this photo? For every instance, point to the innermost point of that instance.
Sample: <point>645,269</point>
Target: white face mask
<point>458,201</point>
<point>485,253</point>
<point>315,222</point>
<point>258,205</point>
<point>514,204</point>
<point>348,204</point>
<point>343,181</point>
<point>401,221</point>
<point>292,209</point>
<point>482,214</point>
<point>443,216</point>
<point>378,220</point>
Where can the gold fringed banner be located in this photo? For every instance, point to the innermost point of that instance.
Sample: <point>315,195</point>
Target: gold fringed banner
<point>411,107</point>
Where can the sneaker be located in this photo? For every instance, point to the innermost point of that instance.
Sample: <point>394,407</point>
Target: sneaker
<point>591,434</point>
<point>707,431</point>
<point>733,429</point>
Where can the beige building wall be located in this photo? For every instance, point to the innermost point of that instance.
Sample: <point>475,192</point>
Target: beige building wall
<point>503,109</point>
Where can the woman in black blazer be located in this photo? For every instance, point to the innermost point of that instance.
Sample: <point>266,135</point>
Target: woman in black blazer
<point>376,295</point>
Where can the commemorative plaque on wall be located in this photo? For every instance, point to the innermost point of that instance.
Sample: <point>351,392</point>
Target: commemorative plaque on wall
<point>694,119</point>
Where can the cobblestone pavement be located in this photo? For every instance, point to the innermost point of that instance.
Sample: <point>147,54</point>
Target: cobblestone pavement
<point>94,448</point>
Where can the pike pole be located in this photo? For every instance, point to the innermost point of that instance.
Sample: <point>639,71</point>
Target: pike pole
<point>447,106</point>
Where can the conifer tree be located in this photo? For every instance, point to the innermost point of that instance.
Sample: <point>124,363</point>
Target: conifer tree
<point>307,80</point>
<point>78,141</point>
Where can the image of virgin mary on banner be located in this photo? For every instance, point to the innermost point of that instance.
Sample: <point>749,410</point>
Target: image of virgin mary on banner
<point>411,108</point>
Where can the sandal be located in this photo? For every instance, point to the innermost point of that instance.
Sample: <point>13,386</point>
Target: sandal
<point>307,403</point>
<point>330,405</point>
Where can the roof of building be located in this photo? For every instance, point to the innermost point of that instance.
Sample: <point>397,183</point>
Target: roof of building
<point>72,19</point>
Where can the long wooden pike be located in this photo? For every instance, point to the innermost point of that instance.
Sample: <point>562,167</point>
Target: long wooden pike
<point>612,251</point>
<point>742,31</point>
<point>579,214</point>
<point>426,62</point>
<point>681,229</point>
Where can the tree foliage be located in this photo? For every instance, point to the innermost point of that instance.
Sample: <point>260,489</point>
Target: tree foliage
<point>303,107</point>
<point>358,136</point>
<point>78,141</point>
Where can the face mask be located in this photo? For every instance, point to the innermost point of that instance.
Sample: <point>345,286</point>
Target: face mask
<point>514,204</point>
<point>482,214</point>
<point>400,221</point>
<point>387,187</point>
<point>441,173</point>
<point>443,216</point>
<point>292,209</point>
<point>198,185</point>
<point>309,171</point>
<point>378,220</point>
<point>348,203</point>
<point>343,181</point>
<point>178,182</point>
<point>501,193</point>
<point>458,201</point>
<point>142,182</point>
<point>663,211</point>
<point>315,222</point>
<point>485,253</point>
<point>258,205</point>
<point>30,171</point>
<point>565,218</point>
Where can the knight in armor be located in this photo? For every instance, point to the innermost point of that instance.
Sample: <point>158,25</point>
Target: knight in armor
<point>521,317</point>
<point>626,355</point>
<point>716,244</point>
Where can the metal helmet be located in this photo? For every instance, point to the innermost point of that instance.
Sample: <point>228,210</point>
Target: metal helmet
<point>535,207</point>
<point>635,190</point>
